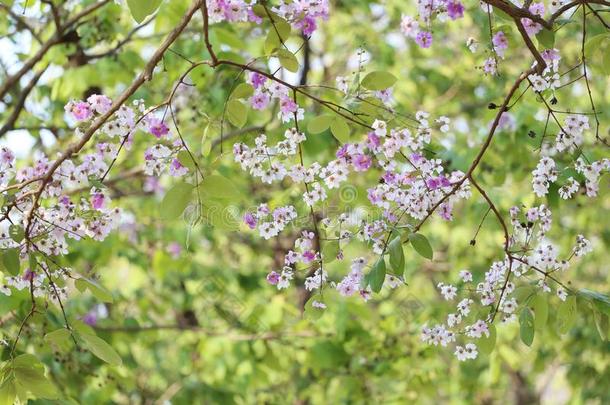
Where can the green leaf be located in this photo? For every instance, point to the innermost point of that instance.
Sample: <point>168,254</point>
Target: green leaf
<point>546,38</point>
<point>377,275</point>
<point>243,90</point>
<point>16,232</point>
<point>175,200</point>
<point>237,113</point>
<point>288,60</point>
<point>185,159</point>
<point>421,245</point>
<point>601,323</point>
<point>378,80</point>
<point>319,124</point>
<point>273,40</point>
<point>58,337</point>
<point>526,324</point>
<point>140,9</point>
<point>96,289</point>
<point>487,343</point>
<point>10,259</point>
<point>330,250</point>
<point>540,305</point>
<point>29,376</point>
<point>397,255</point>
<point>8,391</point>
<point>566,314</point>
<point>599,300</point>
<point>340,129</point>
<point>217,186</point>
<point>101,349</point>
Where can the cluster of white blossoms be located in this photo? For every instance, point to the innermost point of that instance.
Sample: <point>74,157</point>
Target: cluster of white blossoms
<point>549,78</point>
<point>544,174</point>
<point>530,255</point>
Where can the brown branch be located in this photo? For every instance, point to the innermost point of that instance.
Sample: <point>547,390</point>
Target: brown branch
<point>143,77</point>
<point>19,104</point>
<point>10,81</point>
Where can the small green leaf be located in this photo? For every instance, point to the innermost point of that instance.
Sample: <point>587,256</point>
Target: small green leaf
<point>10,259</point>
<point>421,245</point>
<point>602,324</point>
<point>185,159</point>
<point>243,90</point>
<point>319,124</point>
<point>378,80</point>
<point>58,337</point>
<point>377,275</point>
<point>397,255</point>
<point>96,289</point>
<point>175,200</point>
<point>540,305</point>
<point>140,9</point>
<point>566,314</point>
<point>288,60</point>
<point>340,129</point>
<point>546,38</point>
<point>16,232</point>
<point>526,324</point>
<point>487,343</point>
<point>237,113</point>
<point>330,250</point>
<point>101,349</point>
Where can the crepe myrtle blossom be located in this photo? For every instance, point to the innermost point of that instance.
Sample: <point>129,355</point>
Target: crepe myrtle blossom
<point>423,39</point>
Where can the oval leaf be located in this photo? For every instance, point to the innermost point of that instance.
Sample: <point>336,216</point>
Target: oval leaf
<point>378,80</point>
<point>421,245</point>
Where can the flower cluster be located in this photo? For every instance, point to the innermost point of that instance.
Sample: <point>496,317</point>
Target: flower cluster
<point>429,9</point>
<point>496,290</point>
<point>74,204</point>
<point>302,14</point>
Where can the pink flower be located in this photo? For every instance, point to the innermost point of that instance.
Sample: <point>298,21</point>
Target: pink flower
<point>361,162</point>
<point>424,39</point>
<point>273,278</point>
<point>79,110</point>
<point>287,105</point>
<point>174,249</point>
<point>157,127</point>
<point>100,103</point>
<point>260,101</point>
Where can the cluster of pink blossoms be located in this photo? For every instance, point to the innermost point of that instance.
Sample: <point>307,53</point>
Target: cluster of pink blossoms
<point>74,203</point>
<point>427,10</point>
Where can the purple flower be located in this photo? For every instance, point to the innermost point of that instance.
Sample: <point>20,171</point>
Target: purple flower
<point>433,183</point>
<point>253,17</point>
<point>373,141</point>
<point>361,162</point>
<point>98,200</point>
<point>342,151</point>
<point>28,275</point>
<point>307,25</point>
<point>90,318</point>
<point>257,80</point>
<point>273,278</point>
<point>259,101</point>
<point>455,10</point>
<point>157,127</point>
<point>424,39</point>
<point>308,256</point>
<point>250,220</point>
